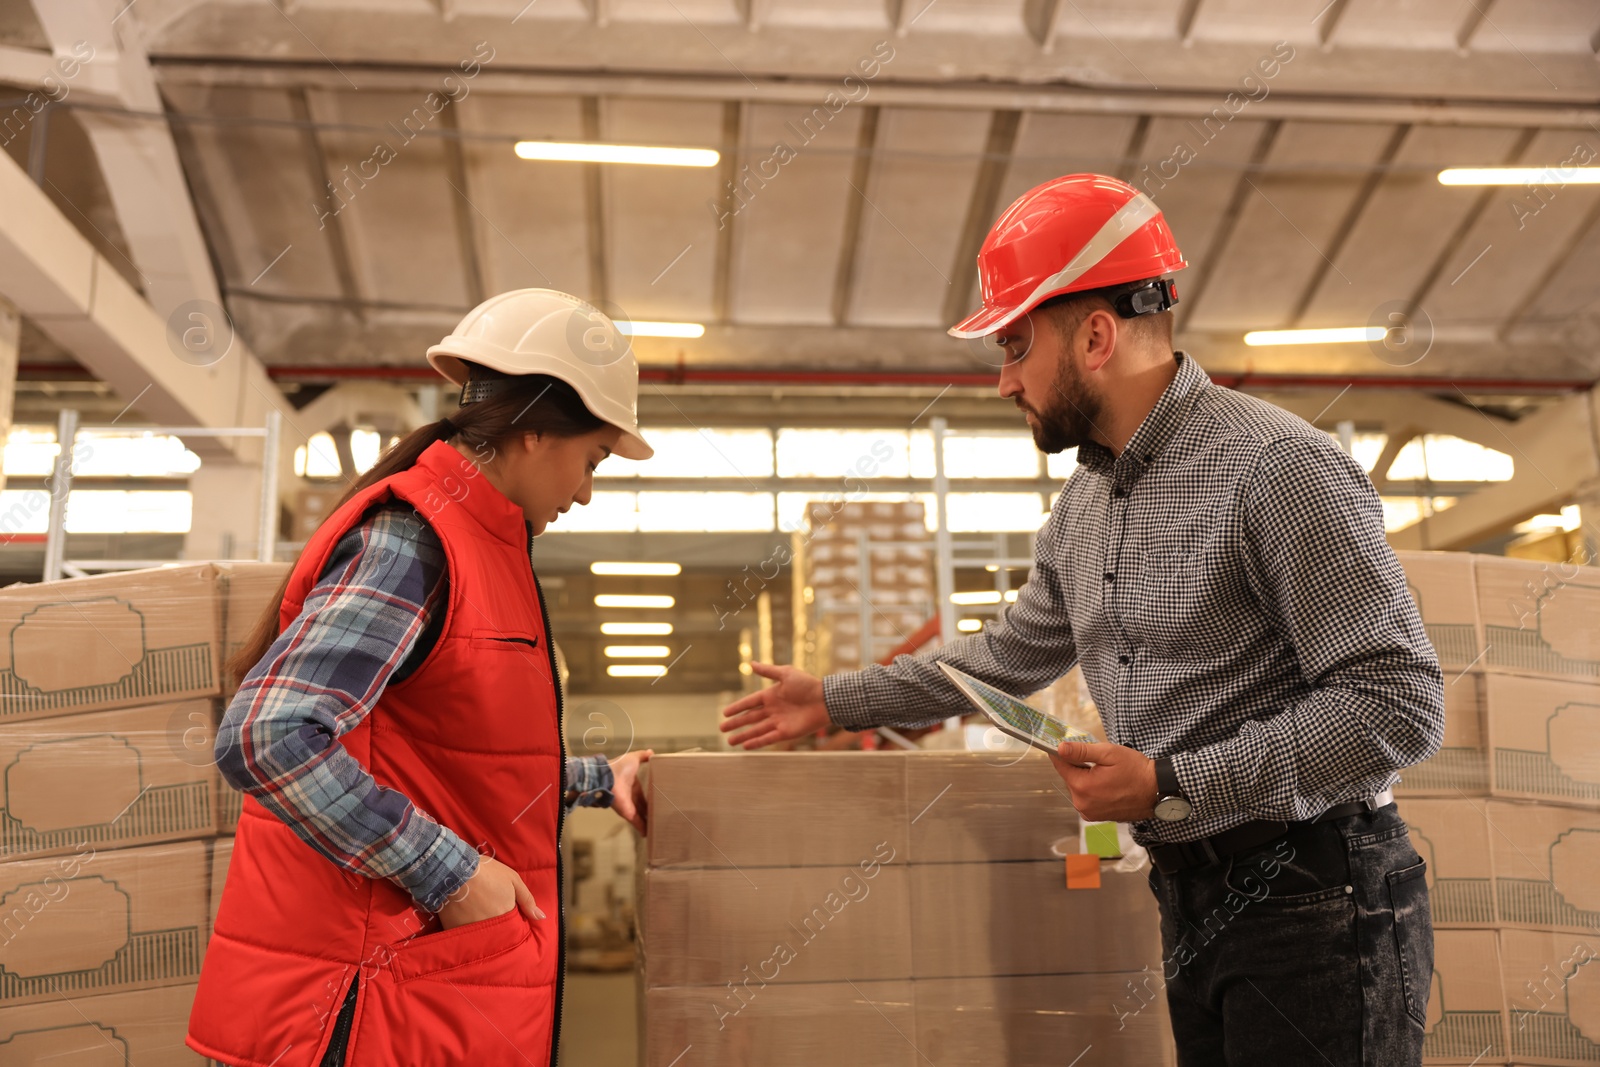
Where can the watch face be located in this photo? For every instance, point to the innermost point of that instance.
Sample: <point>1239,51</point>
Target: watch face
<point>1172,809</point>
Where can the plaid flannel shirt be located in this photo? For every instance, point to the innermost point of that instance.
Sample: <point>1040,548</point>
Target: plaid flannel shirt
<point>371,619</point>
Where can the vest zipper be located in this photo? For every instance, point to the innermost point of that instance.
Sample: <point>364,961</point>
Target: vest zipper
<point>561,811</point>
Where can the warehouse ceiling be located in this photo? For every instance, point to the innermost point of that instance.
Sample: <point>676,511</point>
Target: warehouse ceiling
<point>353,215</point>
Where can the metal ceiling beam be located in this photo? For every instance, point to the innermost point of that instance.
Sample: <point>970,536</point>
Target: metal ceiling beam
<point>1230,221</point>
<point>1350,104</point>
<point>981,207</point>
<point>594,207</point>
<point>1327,21</point>
<point>1581,234</point>
<point>1347,225</point>
<point>722,268</point>
<point>465,221</point>
<point>316,161</point>
<point>1184,26</point>
<point>1468,221</point>
<point>844,277</point>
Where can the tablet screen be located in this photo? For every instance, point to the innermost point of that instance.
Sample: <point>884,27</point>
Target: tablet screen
<point>1019,716</point>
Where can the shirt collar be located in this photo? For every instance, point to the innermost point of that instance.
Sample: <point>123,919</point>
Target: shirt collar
<point>1158,427</point>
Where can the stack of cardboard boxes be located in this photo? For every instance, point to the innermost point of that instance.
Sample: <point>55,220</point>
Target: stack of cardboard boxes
<point>110,824</point>
<point>887,909</point>
<point>878,550</point>
<point>1507,814</point>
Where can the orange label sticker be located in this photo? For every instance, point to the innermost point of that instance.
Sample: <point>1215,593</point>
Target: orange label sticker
<point>1083,871</point>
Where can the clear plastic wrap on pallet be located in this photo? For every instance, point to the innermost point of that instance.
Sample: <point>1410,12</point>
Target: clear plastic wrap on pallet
<point>802,908</point>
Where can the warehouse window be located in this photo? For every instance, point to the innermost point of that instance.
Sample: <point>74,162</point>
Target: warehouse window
<point>606,512</point>
<point>31,451</point>
<point>1062,464</point>
<point>792,506</point>
<point>710,512</point>
<point>701,454</point>
<point>99,511</point>
<point>365,445</point>
<point>994,512</point>
<point>1402,511</point>
<point>842,453</point>
<point>990,456</point>
<point>1442,458</point>
<point>317,458</point>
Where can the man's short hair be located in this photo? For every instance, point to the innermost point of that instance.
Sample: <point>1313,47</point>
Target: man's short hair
<point>1069,309</point>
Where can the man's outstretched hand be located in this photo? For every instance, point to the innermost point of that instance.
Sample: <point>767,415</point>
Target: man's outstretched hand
<point>790,708</point>
<point>1120,787</point>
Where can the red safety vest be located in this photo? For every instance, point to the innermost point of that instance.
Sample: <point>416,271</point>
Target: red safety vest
<point>473,737</point>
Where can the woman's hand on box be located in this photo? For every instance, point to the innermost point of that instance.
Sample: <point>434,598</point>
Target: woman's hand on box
<point>791,707</point>
<point>627,792</point>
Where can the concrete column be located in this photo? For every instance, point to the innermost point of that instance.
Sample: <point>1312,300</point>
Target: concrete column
<point>10,334</point>
<point>227,511</point>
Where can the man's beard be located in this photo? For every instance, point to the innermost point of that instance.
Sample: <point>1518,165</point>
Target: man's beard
<point>1068,418</point>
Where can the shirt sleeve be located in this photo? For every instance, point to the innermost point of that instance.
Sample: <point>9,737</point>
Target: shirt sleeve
<point>317,682</point>
<point>1029,646</point>
<point>590,777</point>
<point>1317,560</point>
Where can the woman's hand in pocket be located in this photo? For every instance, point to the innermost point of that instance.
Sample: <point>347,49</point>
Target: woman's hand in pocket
<point>627,792</point>
<point>493,889</point>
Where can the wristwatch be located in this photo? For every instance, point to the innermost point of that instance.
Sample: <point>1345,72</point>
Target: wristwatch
<point>1171,804</point>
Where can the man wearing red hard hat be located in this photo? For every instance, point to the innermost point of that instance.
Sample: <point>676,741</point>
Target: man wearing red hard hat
<point>1218,568</point>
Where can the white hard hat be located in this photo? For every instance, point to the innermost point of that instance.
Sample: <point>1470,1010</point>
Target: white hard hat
<point>542,331</point>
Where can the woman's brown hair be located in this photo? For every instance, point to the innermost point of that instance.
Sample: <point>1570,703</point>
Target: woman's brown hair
<point>529,403</point>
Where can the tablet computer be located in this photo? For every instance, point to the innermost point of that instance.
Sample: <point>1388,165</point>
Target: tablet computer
<point>1012,716</point>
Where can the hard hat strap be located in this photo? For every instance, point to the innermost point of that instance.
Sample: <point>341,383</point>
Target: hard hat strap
<point>485,389</point>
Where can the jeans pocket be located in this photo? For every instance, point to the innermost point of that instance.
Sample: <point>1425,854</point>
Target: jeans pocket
<point>1413,936</point>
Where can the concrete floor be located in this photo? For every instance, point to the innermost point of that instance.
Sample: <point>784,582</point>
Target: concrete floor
<point>599,1020</point>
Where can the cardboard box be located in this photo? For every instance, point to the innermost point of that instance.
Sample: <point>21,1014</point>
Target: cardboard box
<point>755,809</point>
<point>230,804</point>
<point>802,924</point>
<point>247,590</point>
<point>994,806</point>
<point>974,919</point>
<point>1552,989</point>
<point>1057,1019</point>
<point>736,809</point>
<point>1441,583</point>
<point>859,1023</point>
<point>110,640</point>
<point>1546,866</point>
<point>1050,1019</point>
<point>1452,836</point>
<point>1466,1010</point>
<point>1544,737</point>
<point>144,1028</point>
<point>102,921</point>
<point>109,779</point>
<point>1461,766</point>
<point>1539,618</point>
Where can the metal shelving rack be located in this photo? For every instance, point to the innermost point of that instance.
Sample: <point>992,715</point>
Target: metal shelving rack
<point>67,430</point>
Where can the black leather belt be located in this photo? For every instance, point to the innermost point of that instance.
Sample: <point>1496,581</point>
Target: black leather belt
<point>1183,855</point>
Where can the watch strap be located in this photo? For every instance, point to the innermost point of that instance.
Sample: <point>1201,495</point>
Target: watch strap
<point>1167,778</point>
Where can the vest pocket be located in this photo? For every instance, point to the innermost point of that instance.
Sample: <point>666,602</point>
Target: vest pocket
<point>492,640</point>
<point>460,945</point>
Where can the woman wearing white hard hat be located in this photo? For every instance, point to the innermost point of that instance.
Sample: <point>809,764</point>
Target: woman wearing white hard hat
<point>394,893</point>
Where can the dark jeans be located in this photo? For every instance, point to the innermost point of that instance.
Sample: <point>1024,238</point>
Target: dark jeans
<point>1316,948</point>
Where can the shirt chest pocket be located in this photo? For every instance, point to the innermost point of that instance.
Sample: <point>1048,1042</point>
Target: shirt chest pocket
<point>1182,609</point>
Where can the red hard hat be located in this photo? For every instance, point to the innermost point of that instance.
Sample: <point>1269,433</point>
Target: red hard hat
<point>1081,231</point>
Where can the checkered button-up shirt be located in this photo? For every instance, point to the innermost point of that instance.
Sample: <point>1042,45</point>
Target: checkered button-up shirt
<point>1227,588</point>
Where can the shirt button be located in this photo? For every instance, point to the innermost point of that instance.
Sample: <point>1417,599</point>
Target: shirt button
<point>1119,491</point>
<point>1124,660</point>
<point>1110,577</point>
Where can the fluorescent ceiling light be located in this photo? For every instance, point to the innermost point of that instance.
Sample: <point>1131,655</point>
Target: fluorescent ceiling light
<point>575,152</point>
<point>628,600</point>
<point>637,651</point>
<point>982,596</point>
<point>638,328</point>
<point>636,629</point>
<point>1520,176</point>
<point>969,626</point>
<point>1011,596</point>
<point>1337,336</point>
<point>637,569</point>
<point>636,670</point>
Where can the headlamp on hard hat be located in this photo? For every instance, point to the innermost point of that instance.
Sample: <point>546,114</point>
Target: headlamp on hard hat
<point>1153,297</point>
